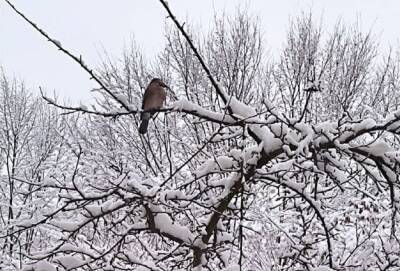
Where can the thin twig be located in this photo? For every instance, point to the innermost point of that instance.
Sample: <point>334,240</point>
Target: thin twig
<point>76,59</point>
<point>190,159</point>
<point>196,52</point>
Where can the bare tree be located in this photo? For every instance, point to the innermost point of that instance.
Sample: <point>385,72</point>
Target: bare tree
<point>252,166</point>
<point>30,137</point>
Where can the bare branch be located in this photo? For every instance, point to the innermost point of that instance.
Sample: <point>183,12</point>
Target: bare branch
<point>76,59</point>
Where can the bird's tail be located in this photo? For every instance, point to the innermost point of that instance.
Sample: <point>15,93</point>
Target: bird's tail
<point>145,122</point>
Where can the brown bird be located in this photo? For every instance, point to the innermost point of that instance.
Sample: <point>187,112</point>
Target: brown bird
<point>154,98</point>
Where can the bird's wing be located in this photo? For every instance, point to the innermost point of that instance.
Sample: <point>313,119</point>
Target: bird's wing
<point>146,96</point>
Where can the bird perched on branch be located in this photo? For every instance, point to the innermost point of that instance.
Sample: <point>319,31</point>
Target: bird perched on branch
<point>153,99</point>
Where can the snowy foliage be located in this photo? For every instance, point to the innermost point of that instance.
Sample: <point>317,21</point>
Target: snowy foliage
<point>256,172</point>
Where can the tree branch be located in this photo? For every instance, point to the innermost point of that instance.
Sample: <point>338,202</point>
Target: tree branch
<point>196,52</point>
<point>76,59</point>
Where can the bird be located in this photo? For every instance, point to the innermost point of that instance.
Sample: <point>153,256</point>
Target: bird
<point>153,99</point>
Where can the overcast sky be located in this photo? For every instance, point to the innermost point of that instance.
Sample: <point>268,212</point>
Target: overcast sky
<point>87,27</point>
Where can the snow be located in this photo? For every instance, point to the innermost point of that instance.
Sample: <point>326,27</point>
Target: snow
<point>49,182</point>
<point>223,236</point>
<point>26,223</point>
<point>241,109</point>
<point>216,165</point>
<point>270,142</point>
<point>67,247</point>
<point>252,155</point>
<point>307,165</point>
<point>94,209</point>
<point>218,181</point>
<point>228,135</point>
<point>166,225</point>
<point>322,268</point>
<point>394,155</point>
<point>298,187</point>
<point>110,205</point>
<point>83,107</point>
<point>378,148</point>
<point>314,85</point>
<point>70,262</point>
<point>326,127</point>
<point>364,125</point>
<point>298,165</point>
<point>122,98</point>
<point>77,249</point>
<point>57,42</point>
<point>64,225</point>
<point>393,116</point>
<point>40,266</point>
<point>282,166</point>
<point>232,267</point>
<point>174,194</point>
<point>136,260</point>
<point>279,129</point>
<point>186,105</point>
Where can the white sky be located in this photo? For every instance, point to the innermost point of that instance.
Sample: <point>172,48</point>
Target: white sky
<point>87,27</point>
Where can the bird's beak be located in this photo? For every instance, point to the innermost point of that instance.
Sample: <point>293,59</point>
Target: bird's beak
<point>165,86</point>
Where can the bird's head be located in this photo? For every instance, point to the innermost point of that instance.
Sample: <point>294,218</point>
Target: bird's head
<point>159,82</point>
